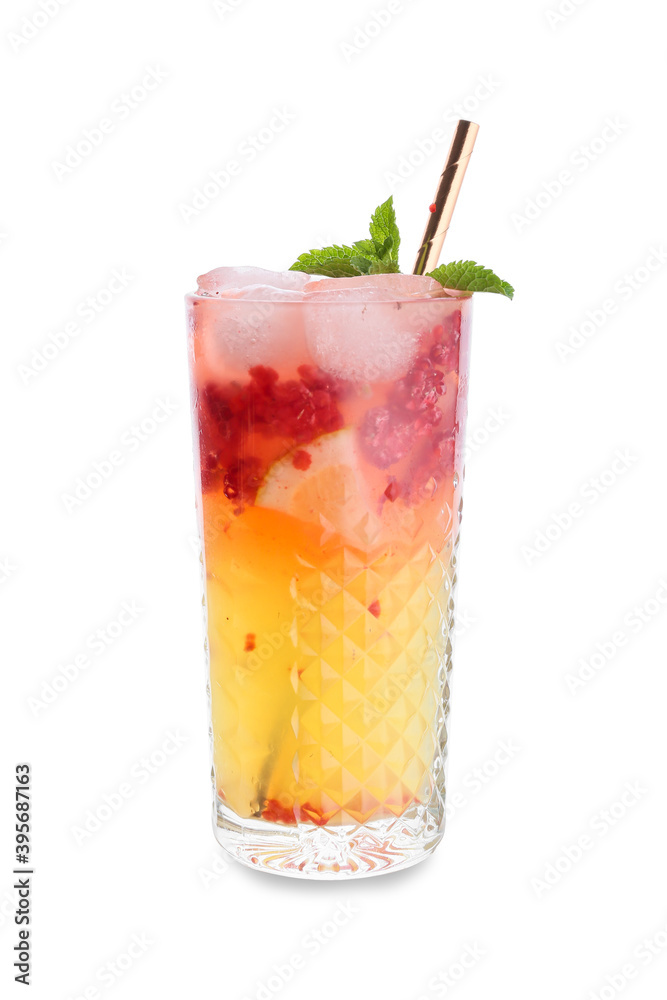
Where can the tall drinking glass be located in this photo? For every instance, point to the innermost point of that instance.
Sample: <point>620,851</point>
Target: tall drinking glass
<point>329,436</point>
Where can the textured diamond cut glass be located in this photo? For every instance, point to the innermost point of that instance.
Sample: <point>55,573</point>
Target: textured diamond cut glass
<point>329,514</point>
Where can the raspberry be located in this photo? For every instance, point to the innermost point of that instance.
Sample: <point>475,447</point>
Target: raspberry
<point>407,424</point>
<point>314,814</point>
<point>264,377</point>
<point>242,480</point>
<point>427,420</point>
<point>438,354</point>
<point>374,608</point>
<point>445,452</point>
<point>438,457</point>
<point>299,410</point>
<point>301,460</point>
<point>216,403</point>
<point>445,355</point>
<point>385,438</point>
<point>211,468</point>
<point>276,812</point>
<point>393,491</point>
<point>445,349</point>
<point>420,388</point>
<point>315,378</point>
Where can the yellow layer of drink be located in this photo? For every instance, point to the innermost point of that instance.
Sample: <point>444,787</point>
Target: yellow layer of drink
<point>328,625</point>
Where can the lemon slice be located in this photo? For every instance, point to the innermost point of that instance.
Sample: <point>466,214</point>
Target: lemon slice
<point>331,491</point>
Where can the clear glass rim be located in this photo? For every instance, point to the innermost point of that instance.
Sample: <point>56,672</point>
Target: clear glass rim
<point>413,299</point>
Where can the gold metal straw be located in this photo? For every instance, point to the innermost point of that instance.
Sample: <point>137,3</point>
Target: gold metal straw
<point>445,199</point>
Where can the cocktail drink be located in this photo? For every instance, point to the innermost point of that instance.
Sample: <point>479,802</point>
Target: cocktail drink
<point>329,422</point>
<point>329,412</point>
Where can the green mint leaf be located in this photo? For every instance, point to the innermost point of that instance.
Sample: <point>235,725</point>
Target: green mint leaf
<point>385,250</point>
<point>383,227</point>
<point>366,247</point>
<point>363,264</point>
<point>332,262</point>
<point>378,255</point>
<point>467,276</point>
<point>375,250</point>
<point>385,267</point>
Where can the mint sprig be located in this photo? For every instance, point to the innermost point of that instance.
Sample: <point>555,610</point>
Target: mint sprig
<point>467,276</point>
<point>378,255</point>
<point>334,262</point>
<point>384,232</point>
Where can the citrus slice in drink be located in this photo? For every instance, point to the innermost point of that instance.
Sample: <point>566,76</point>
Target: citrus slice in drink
<point>324,483</point>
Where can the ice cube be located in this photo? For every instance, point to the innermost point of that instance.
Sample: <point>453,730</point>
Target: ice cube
<point>332,294</point>
<point>264,329</point>
<point>224,279</point>
<point>396,286</point>
<point>367,339</point>
<point>265,293</point>
<point>368,328</point>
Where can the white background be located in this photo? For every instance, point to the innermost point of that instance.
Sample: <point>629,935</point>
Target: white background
<point>545,88</point>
